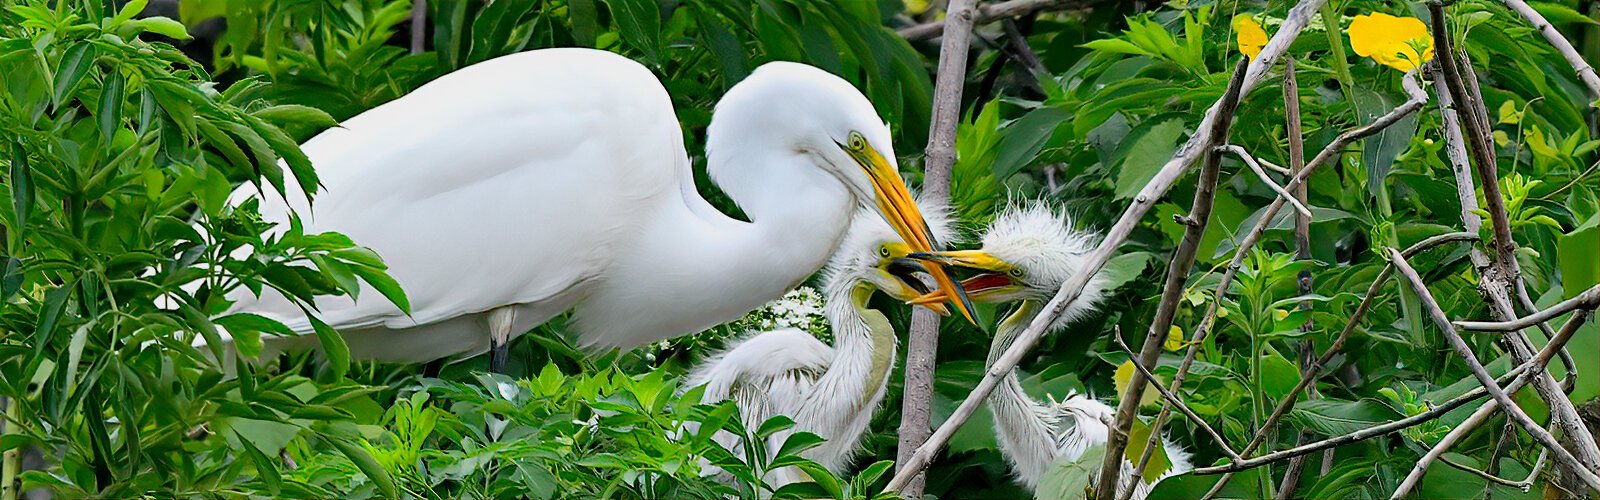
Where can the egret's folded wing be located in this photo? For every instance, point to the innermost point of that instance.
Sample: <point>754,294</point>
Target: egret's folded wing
<point>510,181</point>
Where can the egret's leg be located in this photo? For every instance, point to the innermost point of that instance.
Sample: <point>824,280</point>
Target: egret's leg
<point>500,321</point>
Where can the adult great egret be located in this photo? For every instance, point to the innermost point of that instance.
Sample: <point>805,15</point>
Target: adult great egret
<point>517,188</point>
<point>1027,253</point>
<point>830,391</point>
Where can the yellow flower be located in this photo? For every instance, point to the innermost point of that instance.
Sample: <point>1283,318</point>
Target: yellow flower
<point>1124,377</point>
<point>1174,339</point>
<point>1280,314</point>
<point>1391,41</point>
<point>1249,34</point>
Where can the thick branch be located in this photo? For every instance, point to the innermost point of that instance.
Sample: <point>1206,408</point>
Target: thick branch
<point>989,13</point>
<point>922,344</point>
<point>1201,141</point>
<point>1499,394</point>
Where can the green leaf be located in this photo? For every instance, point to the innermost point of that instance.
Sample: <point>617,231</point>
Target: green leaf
<point>774,424</point>
<point>380,281</point>
<point>10,279</point>
<point>583,16</point>
<point>1024,138</point>
<point>1278,375</point>
<point>1138,437</point>
<point>1072,478</point>
<point>368,466</point>
<point>1578,251</point>
<point>110,112</point>
<point>1147,154</point>
<point>1560,14</point>
<point>796,443</point>
<point>639,23</point>
<point>50,314</point>
<point>1332,417</point>
<point>333,346</point>
<point>21,188</point>
<point>1380,151</point>
<point>246,329</point>
<point>162,26</point>
<point>75,64</point>
<point>725,47</point>
<point>296,114</point>
<point>1124,268</point>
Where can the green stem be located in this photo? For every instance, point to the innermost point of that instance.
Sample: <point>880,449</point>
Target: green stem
<point>8,471</point>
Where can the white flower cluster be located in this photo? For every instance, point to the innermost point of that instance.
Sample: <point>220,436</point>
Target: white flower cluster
<point>800,308</point>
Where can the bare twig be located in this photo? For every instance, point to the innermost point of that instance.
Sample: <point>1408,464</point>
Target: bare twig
<point>1589,299</point>
<point>989,13</point>
<point>1544,437</point>
<point>1524,485</point>
<point>1205,195</point>
<point>922,344</point>
<point>1484,412</point>
<point>419,26</point>
<point>1175,400</point>
<point>1201,141</point>
<point>1255,166</point>
<point>1564,47</point>
<point>1019,51</point>
<point>1302,245</point>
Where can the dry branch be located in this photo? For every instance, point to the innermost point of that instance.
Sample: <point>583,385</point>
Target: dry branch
<point>922,344</point>
<point>1589,299</point>
<point>1544,437</point>
<point>1174,400</point>
<point>989,13</point>
<point>1201,141</point>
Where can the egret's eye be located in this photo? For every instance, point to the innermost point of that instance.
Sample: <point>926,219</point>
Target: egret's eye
<point>857,142</point>
<point>1017,272</point>
<point>883,251</point>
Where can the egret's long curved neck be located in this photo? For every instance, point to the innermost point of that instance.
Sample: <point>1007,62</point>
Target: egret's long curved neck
<point>1025,435</point>
<point>864,345</point>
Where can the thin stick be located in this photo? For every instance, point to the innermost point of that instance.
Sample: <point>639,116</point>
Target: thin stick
<point>1585,72</point>
<point>1499,394</point>
<point>1293,23</point>
<point>1482,414</point>
<point>1175,400</point>
<point>1205,196</point>
<point>922,344</point>
<point>1589,299</point>
<point>419,26</point>
<point>1525,485</point>
<point>11,463</point>
<point>1262,174</point>
<point>988,13</point>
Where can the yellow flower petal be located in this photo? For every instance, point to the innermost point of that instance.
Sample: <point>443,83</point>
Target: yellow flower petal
<point>1248,33</point>
<point>1279,314</point>
<point>1174,339</point>
<point>1391,41</point>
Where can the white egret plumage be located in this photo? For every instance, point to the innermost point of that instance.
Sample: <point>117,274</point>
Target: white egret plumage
<point>1027,253</point>
<point>830,391</point>
<point>517,188</point>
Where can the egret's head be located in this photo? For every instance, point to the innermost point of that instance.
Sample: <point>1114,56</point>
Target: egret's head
<point>872,253</point>
<point>1028,252</point>
<point>802,109</point>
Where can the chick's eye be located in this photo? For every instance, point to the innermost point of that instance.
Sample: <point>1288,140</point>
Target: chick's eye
<point>883,251</point>
<point>1016,272</point>
<point>857,142</point>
